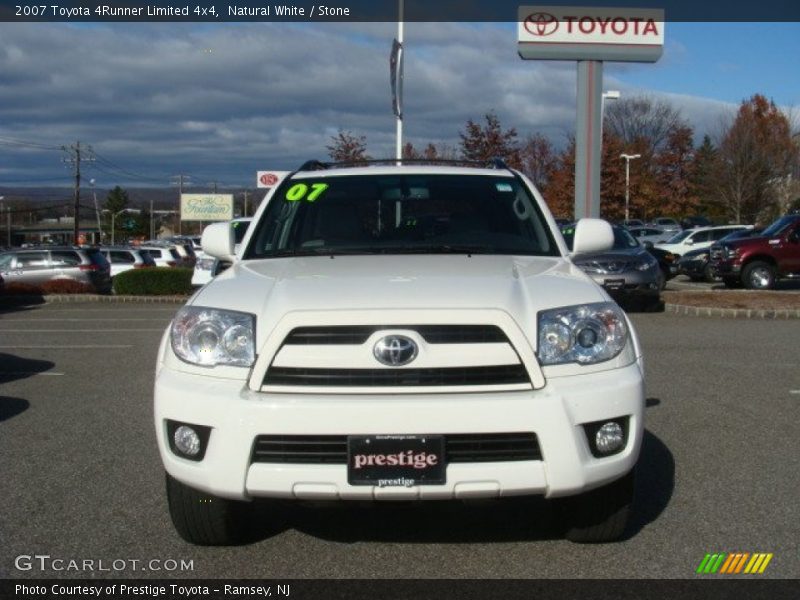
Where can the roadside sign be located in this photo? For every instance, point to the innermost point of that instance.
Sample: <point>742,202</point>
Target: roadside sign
<point>206,207</point>
<point>268,179</point>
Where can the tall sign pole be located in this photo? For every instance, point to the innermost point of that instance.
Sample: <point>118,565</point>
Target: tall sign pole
<point>589,36</point>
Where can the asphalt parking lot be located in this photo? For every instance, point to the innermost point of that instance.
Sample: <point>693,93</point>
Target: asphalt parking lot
<point>82,479</point>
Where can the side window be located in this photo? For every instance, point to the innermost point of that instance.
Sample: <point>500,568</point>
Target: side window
<point>120,257</point>
<point>5,261</point>
<point>154,253</point>
<point>30,261</point>
<point>718,234</point>
<point>701,236</point>
<point>65,258</point>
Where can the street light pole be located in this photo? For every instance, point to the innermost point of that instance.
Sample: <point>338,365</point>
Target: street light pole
<point>609,95</point>
<point>114,219</point>
<point>628,158</point>
<point>96,212</point>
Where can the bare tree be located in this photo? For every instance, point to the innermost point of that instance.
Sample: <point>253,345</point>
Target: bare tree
<point>642,119</point>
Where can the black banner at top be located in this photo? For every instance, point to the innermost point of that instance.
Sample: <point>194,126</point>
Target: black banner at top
<point>369,10</point>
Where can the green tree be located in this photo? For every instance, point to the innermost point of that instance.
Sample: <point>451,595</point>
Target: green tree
<point>702,179</point>
<point>116,200</point>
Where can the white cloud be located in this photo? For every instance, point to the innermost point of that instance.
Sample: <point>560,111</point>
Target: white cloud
<point>225,100</point>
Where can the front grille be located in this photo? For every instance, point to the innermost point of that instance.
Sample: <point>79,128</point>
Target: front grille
<point>432,334</point>
<point>440,376</point>
<point>332,449</point>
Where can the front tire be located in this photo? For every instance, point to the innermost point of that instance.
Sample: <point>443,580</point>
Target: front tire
<point>207,520</point>
<point>600,515</point>
<point>759,275</point>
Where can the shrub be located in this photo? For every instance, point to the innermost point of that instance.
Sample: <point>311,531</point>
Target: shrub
<point>154,281</point>
<point>66,286</point>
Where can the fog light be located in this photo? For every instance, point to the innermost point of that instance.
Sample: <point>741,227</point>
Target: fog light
<point>187,441</point>
<point>609,438</point>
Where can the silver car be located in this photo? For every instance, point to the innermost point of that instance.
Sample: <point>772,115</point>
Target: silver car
<point>36,266</point>
<point>628,272</point>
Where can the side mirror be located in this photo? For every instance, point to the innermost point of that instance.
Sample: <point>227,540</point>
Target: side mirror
<point>647,244</point>
<point>689,242</point>
<point>592,235</point>
<point>218,241</point>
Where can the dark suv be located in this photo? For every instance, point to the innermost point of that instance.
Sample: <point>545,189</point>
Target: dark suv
<point>36,266</point>
<point>758,262</point>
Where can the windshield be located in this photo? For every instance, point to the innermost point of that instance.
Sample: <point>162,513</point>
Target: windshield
<point>679,237</point>
<point>393,214</point>
<point>778,226</point>
<point>239,229</point>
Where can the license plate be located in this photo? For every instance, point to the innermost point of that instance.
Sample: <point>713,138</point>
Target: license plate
<point>614,284</point>
<point>396,460</point>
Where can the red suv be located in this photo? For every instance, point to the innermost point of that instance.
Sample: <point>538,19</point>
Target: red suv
<point>758,262</point>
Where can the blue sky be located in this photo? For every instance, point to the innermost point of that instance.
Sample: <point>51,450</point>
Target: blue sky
<point>727,61</point>
<point>222,101</point>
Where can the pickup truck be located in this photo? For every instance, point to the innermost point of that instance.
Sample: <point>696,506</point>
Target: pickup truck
<point>759,262</point>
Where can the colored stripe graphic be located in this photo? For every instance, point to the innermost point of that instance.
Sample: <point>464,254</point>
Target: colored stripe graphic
<point>734,563</point>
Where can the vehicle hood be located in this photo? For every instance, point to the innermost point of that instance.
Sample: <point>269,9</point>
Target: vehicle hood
<point>693,254</point>
<point>612,255</point>
<point>521,286</point>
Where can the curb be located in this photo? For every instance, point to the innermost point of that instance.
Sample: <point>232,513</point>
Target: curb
<point>731,313</point>
<point>83,298</point>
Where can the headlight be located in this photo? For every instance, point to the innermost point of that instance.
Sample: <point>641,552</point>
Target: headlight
<point>646,264</point>
<point>730,252</point>
<point>209,337</point>
<point>204,264</point>
<point>585,334</point>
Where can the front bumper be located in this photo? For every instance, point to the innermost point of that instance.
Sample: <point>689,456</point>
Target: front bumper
<point>555,413</point>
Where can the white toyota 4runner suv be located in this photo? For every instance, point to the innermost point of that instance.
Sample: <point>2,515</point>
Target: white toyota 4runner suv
<point>412,332</point>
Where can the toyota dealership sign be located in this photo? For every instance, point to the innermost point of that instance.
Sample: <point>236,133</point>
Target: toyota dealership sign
<point>590,33</point>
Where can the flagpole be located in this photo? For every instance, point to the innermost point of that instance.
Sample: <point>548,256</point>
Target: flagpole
<point>399,148</point>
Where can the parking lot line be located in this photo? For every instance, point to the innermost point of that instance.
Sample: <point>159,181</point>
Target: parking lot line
<point>69,347</point>
<point>29,373</point>
<point>74,330</point>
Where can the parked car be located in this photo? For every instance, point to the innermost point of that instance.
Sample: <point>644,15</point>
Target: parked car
<point>695,239</point>
<point>185,250</point>
<point>410,332</point>
<point>631,223</point>
<point>124,259</point>
<point>38,266</point>
<point>696,264</point>
<point>163,255</point>
<point>628,272</point>
<point>666,224</point>
<point>696,221</point>
<point>759,262</point>
<point>666,262</point>
<point>650,234</point>
<point>207,267</point>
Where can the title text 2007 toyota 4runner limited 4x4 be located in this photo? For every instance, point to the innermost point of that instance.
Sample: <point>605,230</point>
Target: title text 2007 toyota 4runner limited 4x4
<point>412,332</point>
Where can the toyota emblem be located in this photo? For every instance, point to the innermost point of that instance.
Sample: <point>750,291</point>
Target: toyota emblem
<point>541,24</point>
<point>395,350</point>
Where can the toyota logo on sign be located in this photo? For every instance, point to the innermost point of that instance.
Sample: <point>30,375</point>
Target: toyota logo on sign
<point>395,350</point>
<point>268,179</point>
<point>541,24</point>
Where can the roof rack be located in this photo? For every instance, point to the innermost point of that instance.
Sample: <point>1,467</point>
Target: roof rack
<point>316,165</point>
